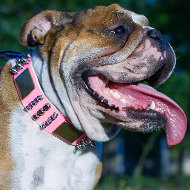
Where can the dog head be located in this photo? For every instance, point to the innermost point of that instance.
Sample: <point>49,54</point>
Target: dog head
<point>102,56</point>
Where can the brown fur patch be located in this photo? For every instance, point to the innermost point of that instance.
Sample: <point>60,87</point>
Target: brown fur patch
<point>1,68</point>
<point>8,100</point>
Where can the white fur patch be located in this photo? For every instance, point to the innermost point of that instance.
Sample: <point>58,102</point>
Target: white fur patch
<point>44,162</point>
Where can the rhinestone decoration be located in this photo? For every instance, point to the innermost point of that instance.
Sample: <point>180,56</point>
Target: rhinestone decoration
<point>54,116</point>
<point>49,120</point>
<point>43,126</point>
<point>33,103</point>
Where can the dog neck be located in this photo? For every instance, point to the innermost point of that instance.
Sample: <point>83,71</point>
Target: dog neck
<point>42,72</point>
<point>57,94</point>
<point>31,91</point>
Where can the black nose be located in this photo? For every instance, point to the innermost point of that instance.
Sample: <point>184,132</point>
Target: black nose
<point>155,34</point>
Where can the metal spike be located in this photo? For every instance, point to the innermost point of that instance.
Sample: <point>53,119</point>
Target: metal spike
<point>24,59</point>
<point>79,146</point>
<point>39,98</point>
<point>21,67</point>
<point>13,71</point>
<point>28,55</point>
<point>84,142</point>
<point>33,103</point>
<point>46,107</point>
<point>18,62</point>
<point>27,62</point>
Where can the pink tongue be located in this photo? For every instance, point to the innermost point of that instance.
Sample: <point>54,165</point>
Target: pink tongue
<point>176,120</point>
<point>141,96</point>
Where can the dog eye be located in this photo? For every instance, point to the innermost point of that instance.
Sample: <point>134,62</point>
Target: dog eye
<point>119,30</point>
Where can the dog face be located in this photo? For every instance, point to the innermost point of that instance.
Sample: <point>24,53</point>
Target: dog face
<point>102,56</point>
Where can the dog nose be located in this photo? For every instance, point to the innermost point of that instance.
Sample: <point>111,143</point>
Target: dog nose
<point>155,34</point>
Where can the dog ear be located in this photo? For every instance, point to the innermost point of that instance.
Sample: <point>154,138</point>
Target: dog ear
<point>34,30</point>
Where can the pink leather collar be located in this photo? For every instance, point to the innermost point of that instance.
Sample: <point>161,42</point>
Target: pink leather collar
<point>41,109</point>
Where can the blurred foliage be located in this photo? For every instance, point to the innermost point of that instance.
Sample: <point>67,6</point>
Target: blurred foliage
<point>141,183</point>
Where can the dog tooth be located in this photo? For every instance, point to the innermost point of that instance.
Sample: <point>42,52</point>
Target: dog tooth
<point>116,95</point>
<point>153,105</point>
<point>123,101</point>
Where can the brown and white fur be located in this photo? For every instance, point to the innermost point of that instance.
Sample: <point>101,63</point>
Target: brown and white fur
<point>67,43</point>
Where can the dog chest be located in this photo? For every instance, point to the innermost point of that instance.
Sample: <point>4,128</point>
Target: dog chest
<point>45,162</point>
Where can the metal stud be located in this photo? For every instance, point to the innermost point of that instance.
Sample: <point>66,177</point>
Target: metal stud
<point>18,63</point>
<point>91,142</point>
<point>35,117</point>
<point>84,142</point>
<point>40,112</point>
<point>21,67</point>
<point>27,108</point>
<point>46,107</point>
<point>38,98</point>
<point>27,62</point>
<point>24,59</point>
<point>33,103</point>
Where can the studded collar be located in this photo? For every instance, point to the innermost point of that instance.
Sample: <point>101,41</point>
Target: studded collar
<point>41,110</point>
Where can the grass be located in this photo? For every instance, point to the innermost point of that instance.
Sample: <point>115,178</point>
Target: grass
<point>142,183</point>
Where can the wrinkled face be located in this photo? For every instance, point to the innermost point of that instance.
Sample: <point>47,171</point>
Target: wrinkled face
<point>103,56</point>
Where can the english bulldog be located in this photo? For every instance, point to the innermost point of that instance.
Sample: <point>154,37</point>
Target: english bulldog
<point>91,65</point>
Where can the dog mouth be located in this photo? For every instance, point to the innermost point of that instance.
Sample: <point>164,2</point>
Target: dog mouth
<point>139,102</point>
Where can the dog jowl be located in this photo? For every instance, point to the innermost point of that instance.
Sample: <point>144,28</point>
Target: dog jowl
<point>91,65</point>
